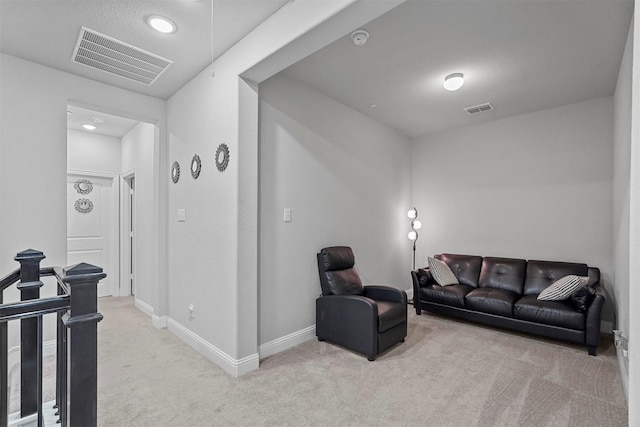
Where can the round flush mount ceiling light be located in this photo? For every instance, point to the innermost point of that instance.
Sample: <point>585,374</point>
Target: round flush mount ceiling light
<point>162,24</point>
<point>359,37</point>
<point>453,81</point>
<point>89,127</point>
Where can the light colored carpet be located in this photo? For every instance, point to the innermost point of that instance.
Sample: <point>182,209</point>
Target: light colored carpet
<point>447,373</point>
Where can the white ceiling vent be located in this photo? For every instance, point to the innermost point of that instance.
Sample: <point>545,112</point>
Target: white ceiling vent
<point>115,57</point>
<point>479,108</point>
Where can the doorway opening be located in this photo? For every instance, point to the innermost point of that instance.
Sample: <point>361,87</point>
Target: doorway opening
<point>103,153</point>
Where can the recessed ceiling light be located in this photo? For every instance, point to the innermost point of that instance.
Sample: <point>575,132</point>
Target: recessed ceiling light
<point>453,81</point>
<point>373,105</point>
<point>162,24</point>
<point>98,120</point>
<point>89,127</point>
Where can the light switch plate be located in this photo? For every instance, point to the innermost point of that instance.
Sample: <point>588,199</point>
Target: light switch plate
<point>182,215</point>
<point>287,215</point>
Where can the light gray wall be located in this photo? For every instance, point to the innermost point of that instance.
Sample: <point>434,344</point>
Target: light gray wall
<point>93,152</point>
<point>33,152</point>
<point>535,186</point>
<point>621,192</point>
<point>345,178</point>
<point>139,155</point>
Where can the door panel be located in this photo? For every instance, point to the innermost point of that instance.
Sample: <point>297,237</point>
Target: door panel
<point>90,226</point>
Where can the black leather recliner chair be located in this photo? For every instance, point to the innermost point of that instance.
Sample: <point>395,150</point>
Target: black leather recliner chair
<point>365,319</point>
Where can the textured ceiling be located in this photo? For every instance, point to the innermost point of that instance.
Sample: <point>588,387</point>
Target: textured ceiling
<point>46,32</point>
<point>520,55</point>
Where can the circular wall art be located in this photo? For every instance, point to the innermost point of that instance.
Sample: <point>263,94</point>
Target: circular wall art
<point>222,157</point>
<point>83,186</point>
<point>196,166</point>
<point>175,172</point>
<point>84,205</point>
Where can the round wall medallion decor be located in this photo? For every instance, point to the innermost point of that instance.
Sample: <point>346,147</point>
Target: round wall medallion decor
<point>84,205</point>
<point>222,157</point>
<point>196,165</point>
<point>83,186</point>
<point>175,172</point>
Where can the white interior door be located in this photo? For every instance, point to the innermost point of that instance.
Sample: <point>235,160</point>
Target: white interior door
<point>92,226</point>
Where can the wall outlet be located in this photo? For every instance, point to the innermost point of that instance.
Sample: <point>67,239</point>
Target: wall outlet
<point>192,311</point>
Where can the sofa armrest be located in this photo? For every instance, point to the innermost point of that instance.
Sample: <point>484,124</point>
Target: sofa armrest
<point>419,279</point>
<point>592,326</point>
<point>385,293</point>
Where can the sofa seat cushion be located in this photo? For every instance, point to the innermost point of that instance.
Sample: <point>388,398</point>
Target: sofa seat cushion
<point>390,314</point>
<point>452,295</point>
<point>556,313</point>
<point>491,300</point>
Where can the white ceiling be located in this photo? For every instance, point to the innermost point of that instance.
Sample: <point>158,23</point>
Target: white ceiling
<point>46,32</point>
<point>520,55</point>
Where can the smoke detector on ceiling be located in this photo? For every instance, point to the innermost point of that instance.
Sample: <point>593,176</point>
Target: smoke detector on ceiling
<point>359,37</point>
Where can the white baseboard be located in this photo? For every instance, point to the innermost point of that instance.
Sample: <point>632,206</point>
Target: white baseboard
<point>624,374</point>
<point>283,343</point>
<point>234,367</point>
<point>409,294</point>
<point>143,307</point>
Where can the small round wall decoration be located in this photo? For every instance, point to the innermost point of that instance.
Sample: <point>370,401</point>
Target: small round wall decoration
<point>222,157</point>
<point>175,172</point>
<point>196,166</point>
<point>84,205</point>
<point>83,186</point>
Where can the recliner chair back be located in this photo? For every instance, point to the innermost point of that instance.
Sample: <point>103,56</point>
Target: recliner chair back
<point>338,275</point>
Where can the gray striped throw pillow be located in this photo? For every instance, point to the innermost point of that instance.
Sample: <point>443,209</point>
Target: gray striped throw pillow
<point>563,288</point>
<point>441,272</point>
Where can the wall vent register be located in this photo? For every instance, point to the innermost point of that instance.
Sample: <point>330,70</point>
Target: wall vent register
<point>112,56</point>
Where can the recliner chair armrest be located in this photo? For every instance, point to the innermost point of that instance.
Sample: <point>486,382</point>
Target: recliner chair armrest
<point>385,293</point>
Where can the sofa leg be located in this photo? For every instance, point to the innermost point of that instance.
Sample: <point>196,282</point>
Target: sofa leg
<point>371,358</point>
<point>320,339</point>
<point>418,311</point>
<point>592,350</point>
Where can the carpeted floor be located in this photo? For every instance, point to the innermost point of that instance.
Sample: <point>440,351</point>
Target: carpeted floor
<point>447,373</point>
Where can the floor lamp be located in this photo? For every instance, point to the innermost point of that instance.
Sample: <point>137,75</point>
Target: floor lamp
<point>413,234</point>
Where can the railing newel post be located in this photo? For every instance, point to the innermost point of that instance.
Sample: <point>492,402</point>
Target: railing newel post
<point>82,321</point>
<point>30,350</point>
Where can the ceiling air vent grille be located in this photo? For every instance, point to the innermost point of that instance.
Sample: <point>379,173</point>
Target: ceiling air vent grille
<point>115,57</point>
<point>479,108</point>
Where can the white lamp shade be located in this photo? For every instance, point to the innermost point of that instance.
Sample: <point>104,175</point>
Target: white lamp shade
<point>412,213</point>
<point>453,81</point>
<point>416,225</point>
<point>412,235</point>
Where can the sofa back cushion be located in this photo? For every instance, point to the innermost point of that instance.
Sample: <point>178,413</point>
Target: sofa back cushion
<point>465,267</point>
<point>541,274</point>
<point>503,273</point>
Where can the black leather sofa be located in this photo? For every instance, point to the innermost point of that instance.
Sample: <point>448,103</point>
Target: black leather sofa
<point>503,292</point>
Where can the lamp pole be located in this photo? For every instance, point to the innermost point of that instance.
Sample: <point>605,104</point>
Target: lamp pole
<point>413,234</point>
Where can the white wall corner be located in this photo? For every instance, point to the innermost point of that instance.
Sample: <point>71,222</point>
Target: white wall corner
<point>232,366</point>
<point>159,322</point>
<point>286,342</point>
